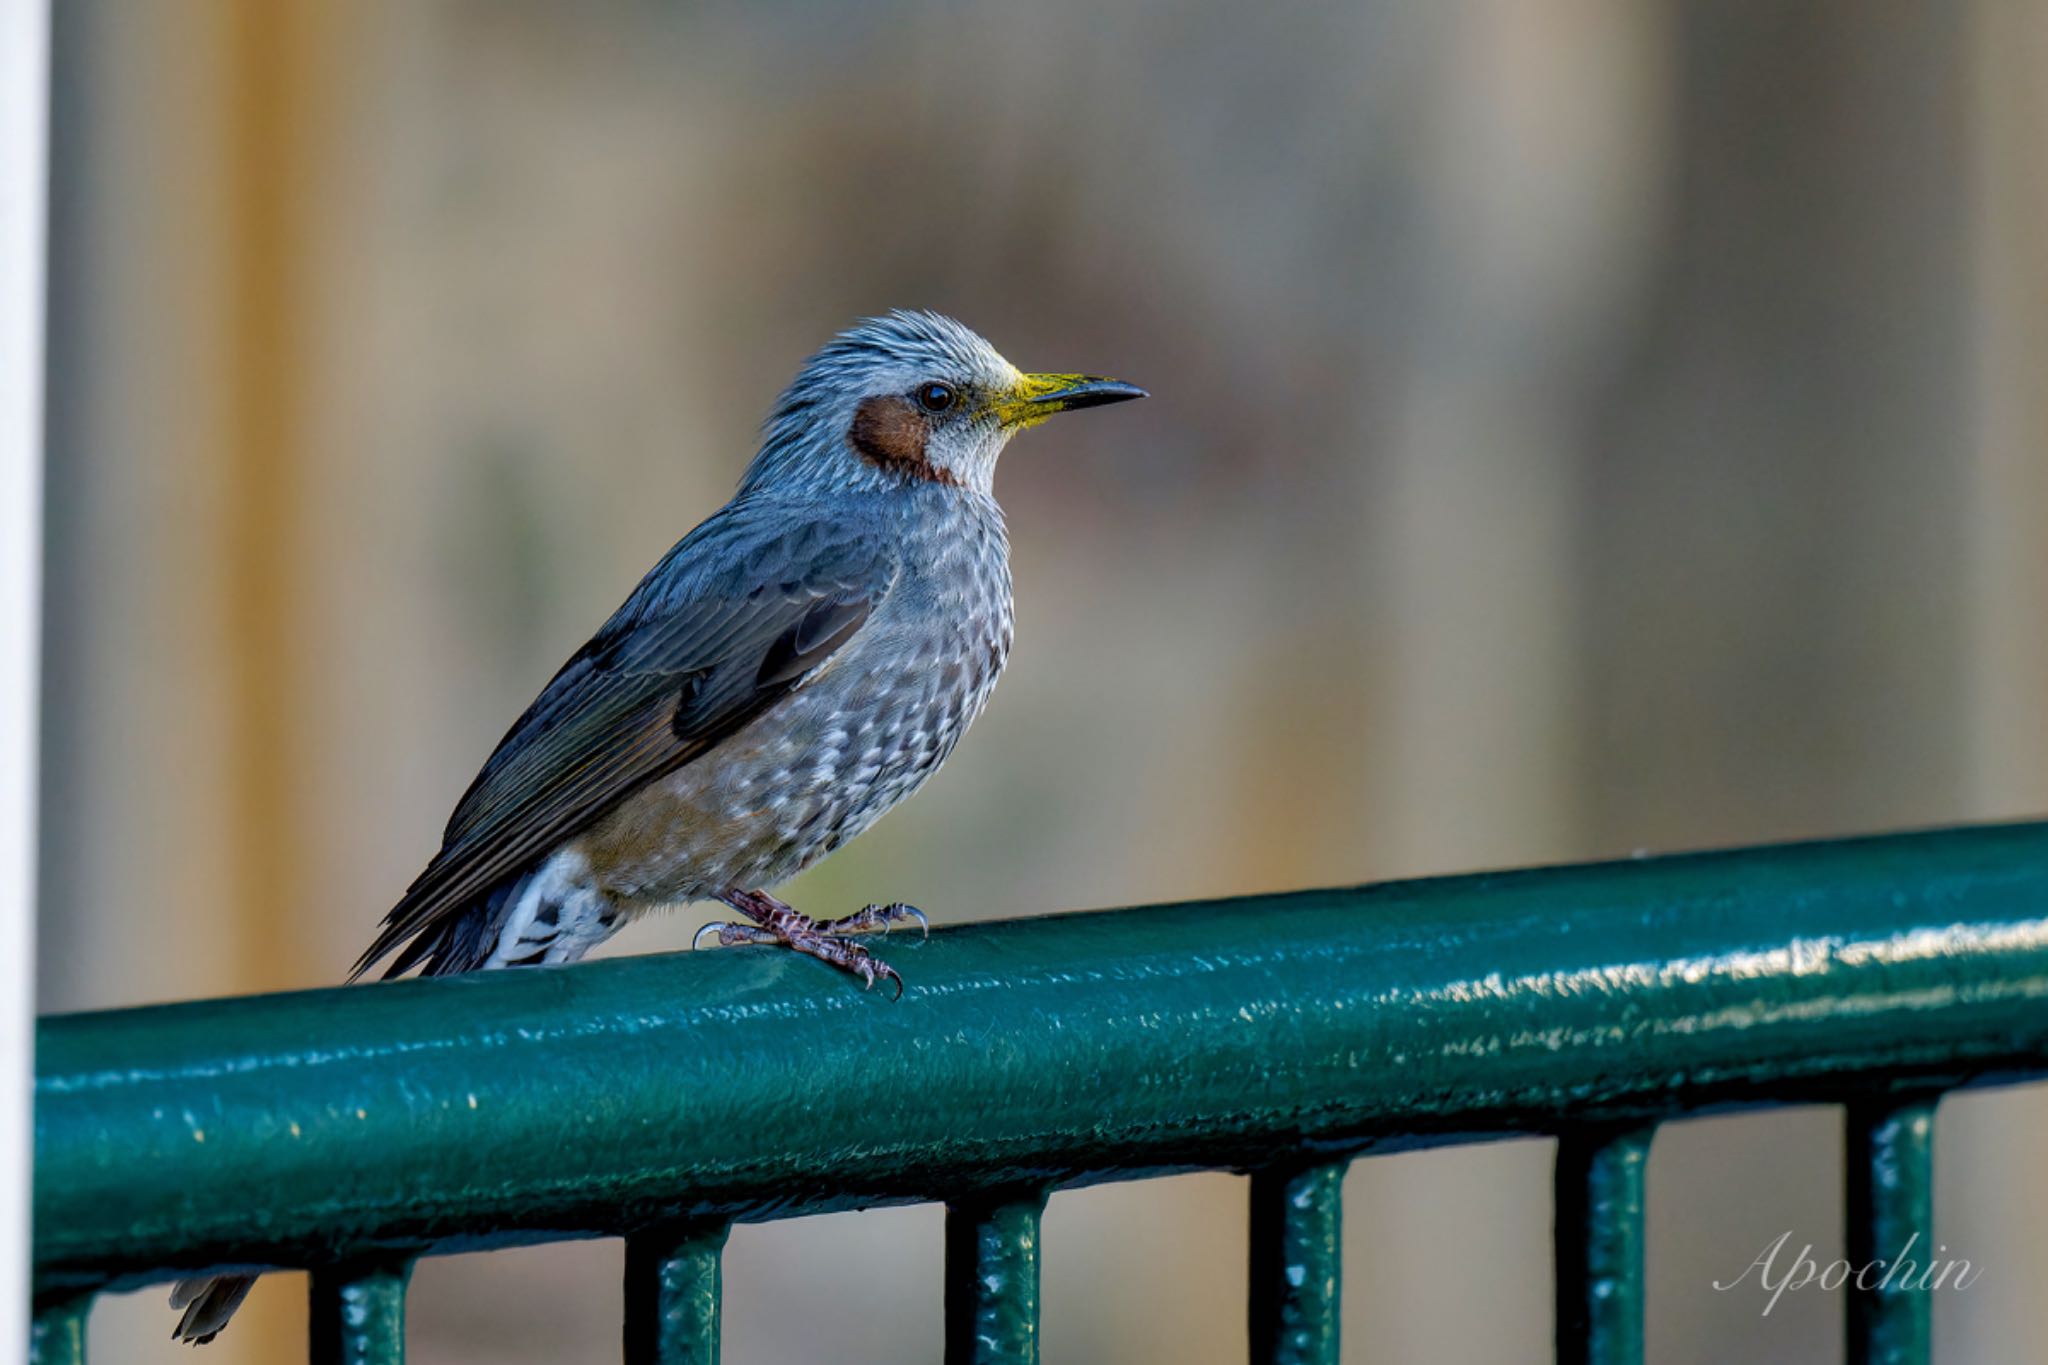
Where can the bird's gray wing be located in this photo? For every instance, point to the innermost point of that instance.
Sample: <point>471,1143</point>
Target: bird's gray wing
<point>735,618</point>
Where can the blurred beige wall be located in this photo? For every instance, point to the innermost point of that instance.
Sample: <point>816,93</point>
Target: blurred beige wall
<point>1579,427</point>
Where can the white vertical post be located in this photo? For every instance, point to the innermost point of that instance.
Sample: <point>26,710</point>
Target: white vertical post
<point>24,111</point>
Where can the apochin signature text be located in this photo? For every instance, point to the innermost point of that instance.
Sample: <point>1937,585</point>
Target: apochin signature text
<point>1900,1272</point>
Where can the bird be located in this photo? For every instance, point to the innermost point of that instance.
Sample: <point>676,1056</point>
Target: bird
<point>793,668</point>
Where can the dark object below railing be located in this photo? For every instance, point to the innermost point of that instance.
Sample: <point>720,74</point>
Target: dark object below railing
<point>662,1098</point>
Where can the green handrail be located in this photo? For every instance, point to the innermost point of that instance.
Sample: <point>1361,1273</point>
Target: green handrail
<point>1277,1033</point>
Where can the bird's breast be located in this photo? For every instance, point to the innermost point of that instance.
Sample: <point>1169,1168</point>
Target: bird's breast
<point>822,764</point>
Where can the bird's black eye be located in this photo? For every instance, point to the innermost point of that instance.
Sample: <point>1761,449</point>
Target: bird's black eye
<point>936,397</point>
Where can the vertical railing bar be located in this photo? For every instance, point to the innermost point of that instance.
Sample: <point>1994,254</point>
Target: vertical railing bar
<point>992,1279</point>
<point>1889,1208</point>
<point>675,1281</point>
<point>1599,1245</point>
<point>356,1312</point>
<point>1297,1238</point>
<point>57,1332</point>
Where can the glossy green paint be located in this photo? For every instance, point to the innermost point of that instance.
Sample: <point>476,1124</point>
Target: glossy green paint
<point>992,1279</point>
<point>1889,1206</point>
<point>1599,1240</point>
<point>356,1312</point>
<point>1296,1277</point>
<point>674,1283</point>
<point>57,1335</point>
<point>519,1106</point>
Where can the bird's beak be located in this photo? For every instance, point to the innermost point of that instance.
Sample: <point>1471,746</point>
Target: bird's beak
<point>1038,396</point>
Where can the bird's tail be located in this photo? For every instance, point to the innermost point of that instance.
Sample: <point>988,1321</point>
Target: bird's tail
<point>208,1304</point>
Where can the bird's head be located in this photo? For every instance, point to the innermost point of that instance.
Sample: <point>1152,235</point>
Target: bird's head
<point>911,397</point>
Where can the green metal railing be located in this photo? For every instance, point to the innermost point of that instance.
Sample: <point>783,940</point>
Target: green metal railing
<point>662,1098</point>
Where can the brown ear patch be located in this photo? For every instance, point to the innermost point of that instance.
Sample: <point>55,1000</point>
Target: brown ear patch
<point>890,434</point>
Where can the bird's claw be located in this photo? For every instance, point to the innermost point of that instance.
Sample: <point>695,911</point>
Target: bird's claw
<point>730,934</point>
<point>871,969</point>
<point>897,913</point>
<point>878,919</point>
<point>848,957</point>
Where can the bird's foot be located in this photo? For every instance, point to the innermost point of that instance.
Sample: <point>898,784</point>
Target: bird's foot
<point>774,922</point>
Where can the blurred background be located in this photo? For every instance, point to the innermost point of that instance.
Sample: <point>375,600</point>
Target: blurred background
<point>1578,427</point>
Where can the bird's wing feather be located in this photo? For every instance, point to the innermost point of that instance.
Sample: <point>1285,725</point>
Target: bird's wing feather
<point>732,621</point>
